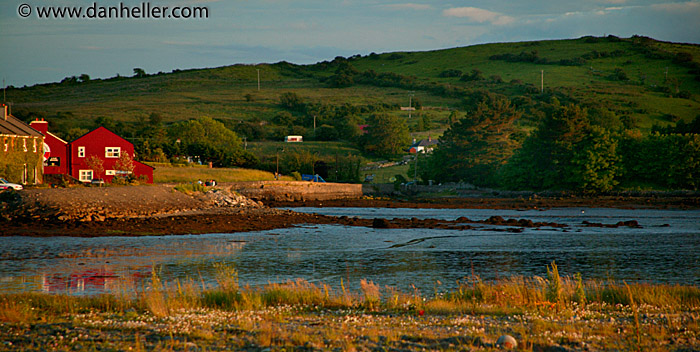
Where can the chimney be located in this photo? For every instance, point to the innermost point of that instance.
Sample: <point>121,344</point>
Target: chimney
<point>41,126</point>
<point>3,111</point>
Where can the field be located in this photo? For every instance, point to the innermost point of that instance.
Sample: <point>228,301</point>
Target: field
<point>167,173</point>
<point>540,314</point>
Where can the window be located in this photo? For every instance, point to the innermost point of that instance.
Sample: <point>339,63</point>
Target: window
<point>110,172</point>
<point>81,152</point>
<point>34,145</point>
<point>25,144</point>
<point>112,152</point>
<point>85,175</point>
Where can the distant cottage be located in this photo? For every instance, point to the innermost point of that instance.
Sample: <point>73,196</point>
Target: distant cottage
<point>422,146</point>
<point>21,157</point>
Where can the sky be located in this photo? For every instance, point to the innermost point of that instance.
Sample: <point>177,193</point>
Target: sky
<point>40,50</point>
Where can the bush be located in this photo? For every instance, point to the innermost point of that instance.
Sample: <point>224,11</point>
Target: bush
<point>450,73</point>
<point>194,187</point>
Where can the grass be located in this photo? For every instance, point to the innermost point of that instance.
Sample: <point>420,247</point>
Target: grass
<point>295,314</point>
<point>385,174</point>
<point>221,92</point>
<point>322,150</point>
<point>167,173</point>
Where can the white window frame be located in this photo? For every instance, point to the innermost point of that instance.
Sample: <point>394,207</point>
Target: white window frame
<point>110,172</point>
<point>84,174</point>
<point>113,152</point>
<point>81,152</point>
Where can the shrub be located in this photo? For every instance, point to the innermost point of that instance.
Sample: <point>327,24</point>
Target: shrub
<point>554,285</point>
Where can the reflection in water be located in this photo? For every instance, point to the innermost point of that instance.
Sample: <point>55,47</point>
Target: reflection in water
<point>664,250</point>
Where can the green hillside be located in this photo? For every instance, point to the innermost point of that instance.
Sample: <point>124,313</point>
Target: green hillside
<point>657,84</point>
<point>625,83</point>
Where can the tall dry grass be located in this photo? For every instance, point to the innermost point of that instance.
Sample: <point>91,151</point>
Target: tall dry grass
<point>513,295</point>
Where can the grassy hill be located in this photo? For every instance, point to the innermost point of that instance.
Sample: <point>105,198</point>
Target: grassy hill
<point>646,81</point>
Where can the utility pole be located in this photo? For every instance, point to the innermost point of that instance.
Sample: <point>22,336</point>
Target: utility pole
<point>410,97</point>
<point>542,83</point>
<point>4,88</point>
<point>257,69</point>
<point>314,125</point>
<point>666,74</point>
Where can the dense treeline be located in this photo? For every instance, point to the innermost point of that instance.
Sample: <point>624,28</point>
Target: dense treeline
<point>570,150</point>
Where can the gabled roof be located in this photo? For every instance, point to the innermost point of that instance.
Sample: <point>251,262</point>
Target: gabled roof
<point>16,127</point>
<point>425,143</point>
<point>57,137</point>
<point>100,129</point>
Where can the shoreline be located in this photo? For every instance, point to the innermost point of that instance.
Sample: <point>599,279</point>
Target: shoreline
<point>160,210</point>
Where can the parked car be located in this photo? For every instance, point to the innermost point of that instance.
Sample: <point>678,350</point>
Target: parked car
<point>312,178</point>
<point>5,184</point>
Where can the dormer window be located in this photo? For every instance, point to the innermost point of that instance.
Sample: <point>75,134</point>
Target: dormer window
<point>81,152</point>
<point>112,152</point>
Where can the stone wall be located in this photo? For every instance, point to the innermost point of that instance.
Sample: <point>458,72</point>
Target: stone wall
<point>297,190</point>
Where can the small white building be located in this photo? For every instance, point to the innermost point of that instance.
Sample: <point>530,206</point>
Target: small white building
<point>290,139</point>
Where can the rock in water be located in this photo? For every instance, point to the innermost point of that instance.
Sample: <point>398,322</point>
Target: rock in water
<point>378,223</point>
<point>507,341</point>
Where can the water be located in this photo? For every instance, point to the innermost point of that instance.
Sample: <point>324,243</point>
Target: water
<point>665,250</point>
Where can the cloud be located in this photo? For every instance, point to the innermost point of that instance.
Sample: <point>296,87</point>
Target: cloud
<point>616,2</point>
<point>478,15</point>
<point>678,7</point>
<point>409,6</point>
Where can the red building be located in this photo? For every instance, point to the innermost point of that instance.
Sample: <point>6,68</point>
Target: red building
<point>108,147</point>
<point>55,150</point>
<point>63,158</point>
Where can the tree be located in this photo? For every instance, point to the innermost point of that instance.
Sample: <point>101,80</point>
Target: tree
<point>454,116</point>
<point>125,163</point>
<point>476,146</point>
<point>75,133</point>
<point>84,78</point>
<point>348,127</point>
<point>292,101</point>
<point>95,163</point>
<point>387,135</point>
<point>566,152</point>
<point>211,141</point>
<point>139,73</point>
<point>105,122</point>
<point>283,118</point>
<point>475,75</point>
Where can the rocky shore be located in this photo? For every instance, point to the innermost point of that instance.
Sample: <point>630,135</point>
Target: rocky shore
<point>162,210</point>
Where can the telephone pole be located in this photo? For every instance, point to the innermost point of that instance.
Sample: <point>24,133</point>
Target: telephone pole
<point>257,69</point>
<point>542,82</point>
